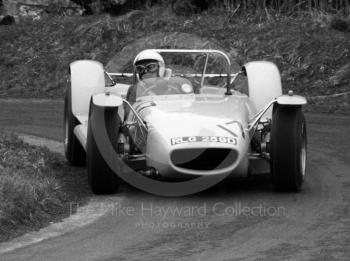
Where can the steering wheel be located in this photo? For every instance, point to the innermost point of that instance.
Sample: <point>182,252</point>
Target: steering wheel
<point>169,90</point>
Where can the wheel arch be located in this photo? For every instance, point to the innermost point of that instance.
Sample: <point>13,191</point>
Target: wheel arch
<point>87,78</point>
<point>264,83</point>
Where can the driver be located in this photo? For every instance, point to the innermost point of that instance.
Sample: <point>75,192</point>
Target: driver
<point>147,64</point>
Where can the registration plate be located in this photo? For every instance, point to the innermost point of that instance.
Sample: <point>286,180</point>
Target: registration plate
<point>188,139</point>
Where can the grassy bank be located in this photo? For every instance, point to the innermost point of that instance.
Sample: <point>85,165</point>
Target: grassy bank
<point>36,187</point>
<point>314,57</point>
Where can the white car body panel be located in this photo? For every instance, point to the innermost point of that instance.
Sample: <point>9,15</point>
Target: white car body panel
<point>174,117</point>
<point>291,100</point>
<point>264,83</point>
<point>87,79</point>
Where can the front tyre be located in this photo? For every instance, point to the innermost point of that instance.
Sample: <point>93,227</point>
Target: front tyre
<point>288,148</point>
<point>73,150</point>
<point>101,178</point>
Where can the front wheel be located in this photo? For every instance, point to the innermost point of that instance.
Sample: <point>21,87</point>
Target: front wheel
<point>73,150</point>
<point>101,178</point>
<point>288,148</point>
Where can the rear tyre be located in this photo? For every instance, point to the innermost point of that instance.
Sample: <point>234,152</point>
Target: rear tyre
<point>101,178</point>
<point>73,150</point>
<point>288,148</point>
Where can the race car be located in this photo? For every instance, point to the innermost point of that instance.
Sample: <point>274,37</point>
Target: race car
<point>183,114</point>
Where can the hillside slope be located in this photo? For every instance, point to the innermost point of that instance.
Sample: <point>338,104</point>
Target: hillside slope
<point>313,58</point>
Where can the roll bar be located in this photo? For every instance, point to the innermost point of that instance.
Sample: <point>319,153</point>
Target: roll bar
<point>230,77</point>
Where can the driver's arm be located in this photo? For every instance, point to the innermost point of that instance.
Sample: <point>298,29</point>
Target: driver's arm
<point>131,98</point>
<point>131,94</point>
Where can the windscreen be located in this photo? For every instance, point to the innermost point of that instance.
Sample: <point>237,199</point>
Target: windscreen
<point>184,73</point>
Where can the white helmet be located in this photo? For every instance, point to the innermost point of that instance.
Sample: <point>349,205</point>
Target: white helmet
<point>151,55</point>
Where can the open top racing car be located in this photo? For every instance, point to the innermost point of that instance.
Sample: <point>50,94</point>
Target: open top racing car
<point>180,115</point>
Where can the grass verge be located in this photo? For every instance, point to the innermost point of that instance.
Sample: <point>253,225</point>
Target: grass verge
<point>313,57</point>
<point>36,187</point>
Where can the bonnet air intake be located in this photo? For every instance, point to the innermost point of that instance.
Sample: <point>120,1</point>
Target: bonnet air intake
<point>204,158</point>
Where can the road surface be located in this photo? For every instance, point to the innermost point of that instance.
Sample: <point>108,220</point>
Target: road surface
<point>241,219</point>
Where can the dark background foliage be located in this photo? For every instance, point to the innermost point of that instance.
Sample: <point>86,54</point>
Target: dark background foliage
<point>194,6</point>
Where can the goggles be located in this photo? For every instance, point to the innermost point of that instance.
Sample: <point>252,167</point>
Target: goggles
<point>151,67</point>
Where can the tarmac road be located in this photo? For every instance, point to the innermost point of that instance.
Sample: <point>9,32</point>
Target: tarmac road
<point>241,219</point>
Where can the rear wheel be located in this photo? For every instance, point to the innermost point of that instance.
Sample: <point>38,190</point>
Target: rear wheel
<point>101,177</point>
<point>73,150</point>
<point>288,148</point>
